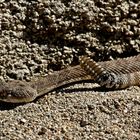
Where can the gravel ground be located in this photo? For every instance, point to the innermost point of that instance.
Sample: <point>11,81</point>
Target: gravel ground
<point>39,37</point>
<point>77,112</point>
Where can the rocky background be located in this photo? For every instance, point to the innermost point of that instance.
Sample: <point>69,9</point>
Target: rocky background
<point>38,37</point>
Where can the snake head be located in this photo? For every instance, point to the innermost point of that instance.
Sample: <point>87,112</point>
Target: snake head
<point>17,92</point>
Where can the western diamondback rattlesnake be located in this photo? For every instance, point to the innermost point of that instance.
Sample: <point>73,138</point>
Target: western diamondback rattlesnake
<point>20,91</point>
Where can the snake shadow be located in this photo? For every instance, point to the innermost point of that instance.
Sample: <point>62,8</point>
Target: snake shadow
<point>9,106</point>
<point>97,89</point>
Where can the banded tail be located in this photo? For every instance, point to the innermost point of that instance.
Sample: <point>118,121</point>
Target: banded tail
<point>109,79</point>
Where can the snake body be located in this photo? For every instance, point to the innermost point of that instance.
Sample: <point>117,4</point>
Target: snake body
<point>110,79</point>
<point>21,92</point>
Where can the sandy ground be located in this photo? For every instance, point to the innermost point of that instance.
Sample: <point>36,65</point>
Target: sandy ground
<point>82,111</point>
<point>39,37</point>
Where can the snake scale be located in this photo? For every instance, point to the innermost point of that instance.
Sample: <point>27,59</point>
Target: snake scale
<point>116,74</point>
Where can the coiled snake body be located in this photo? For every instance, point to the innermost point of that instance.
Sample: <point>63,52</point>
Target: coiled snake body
<point>115,74</point>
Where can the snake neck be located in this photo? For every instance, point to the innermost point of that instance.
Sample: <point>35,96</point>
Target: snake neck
<point>60,78</point>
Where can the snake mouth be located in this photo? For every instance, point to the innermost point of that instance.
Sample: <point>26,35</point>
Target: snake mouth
<point>10,99</point>
<point>10,96</point>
